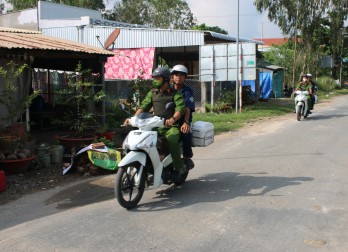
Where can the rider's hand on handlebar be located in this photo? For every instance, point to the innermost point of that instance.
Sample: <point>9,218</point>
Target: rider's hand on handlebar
<point>170,121</point>
<point>126,122</point>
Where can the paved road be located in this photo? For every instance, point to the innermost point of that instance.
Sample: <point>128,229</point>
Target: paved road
<point>277,185</point>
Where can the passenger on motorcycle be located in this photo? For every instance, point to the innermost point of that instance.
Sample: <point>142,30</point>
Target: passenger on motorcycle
<point>314,89</point>
<point>305,86</point>
<point>179,74</point>
<point>157,99</point>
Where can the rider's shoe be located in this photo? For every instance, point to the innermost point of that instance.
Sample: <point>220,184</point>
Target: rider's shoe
<point>176,176</point>
<point>309,112</point>
<point>188,163</point>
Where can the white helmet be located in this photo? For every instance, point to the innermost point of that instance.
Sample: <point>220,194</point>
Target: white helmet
<point>179,68</point>
<point>309,75</point>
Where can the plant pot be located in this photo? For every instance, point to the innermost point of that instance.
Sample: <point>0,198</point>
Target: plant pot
<point>30,144</point>
<point>70,141</point>
<point>110,135</point>
<point>7,141</point>
<point>57,152</point>
<point>16,165</point>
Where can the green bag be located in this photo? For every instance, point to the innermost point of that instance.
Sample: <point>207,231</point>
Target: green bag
<point>108,160</point>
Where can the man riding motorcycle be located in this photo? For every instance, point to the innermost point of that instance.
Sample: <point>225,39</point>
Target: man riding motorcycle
<point>157,99</point>
<point>179,74</point>
<point>304,85</point>
<point>314,89</point>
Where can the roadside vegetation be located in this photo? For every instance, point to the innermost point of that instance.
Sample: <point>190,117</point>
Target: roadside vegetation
<point>232,121</point>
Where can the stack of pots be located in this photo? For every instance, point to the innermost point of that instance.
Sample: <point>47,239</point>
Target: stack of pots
<point>43,155</point>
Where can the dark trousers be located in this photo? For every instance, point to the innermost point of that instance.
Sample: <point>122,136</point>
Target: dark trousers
<point>187,145</point>
<point>313,101</point>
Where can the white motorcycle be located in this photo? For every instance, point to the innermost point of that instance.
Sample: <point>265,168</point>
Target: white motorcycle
<point>146,162</point>
<point>301,104</point>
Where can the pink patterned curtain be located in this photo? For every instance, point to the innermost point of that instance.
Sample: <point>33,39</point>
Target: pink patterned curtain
<point>128,64</point>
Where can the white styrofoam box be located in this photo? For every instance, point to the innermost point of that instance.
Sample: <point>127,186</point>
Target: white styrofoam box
<point>202,133</point>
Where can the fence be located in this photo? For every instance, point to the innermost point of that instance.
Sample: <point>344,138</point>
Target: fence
<point>123,89</point>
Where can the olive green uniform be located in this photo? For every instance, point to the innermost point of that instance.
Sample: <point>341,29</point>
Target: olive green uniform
<point>306,87</point>
<point>157,100</point>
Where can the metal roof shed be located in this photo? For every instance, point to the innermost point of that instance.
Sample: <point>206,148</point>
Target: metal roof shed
<point>42,51</point>
<point>48,52</point>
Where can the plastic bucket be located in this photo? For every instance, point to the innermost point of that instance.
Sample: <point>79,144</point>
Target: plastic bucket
<point>56,152</point>
<point>42,150</point>
<point>2,181</point>
<point>44,159</point>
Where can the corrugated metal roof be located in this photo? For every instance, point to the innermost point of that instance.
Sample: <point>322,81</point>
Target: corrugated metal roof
<point>34,40</point>
<point>131,37</point>
<point>231,38</point>
<point>105,22</point>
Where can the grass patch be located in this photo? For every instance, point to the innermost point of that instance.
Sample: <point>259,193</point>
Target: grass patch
<point>225,122</point>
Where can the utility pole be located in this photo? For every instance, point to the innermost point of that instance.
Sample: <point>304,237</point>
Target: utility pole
<point>341,57</point>
<point>293,65</point>
<point>237,79</point>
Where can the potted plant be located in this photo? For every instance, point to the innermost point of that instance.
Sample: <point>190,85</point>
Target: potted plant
<point>14,100</point>
<point>81,98</point>
<point>114,118</point>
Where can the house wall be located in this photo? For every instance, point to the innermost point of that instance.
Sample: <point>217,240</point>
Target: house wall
<point>48,14</point>
<point>51,11</point>
<point>26,19</point>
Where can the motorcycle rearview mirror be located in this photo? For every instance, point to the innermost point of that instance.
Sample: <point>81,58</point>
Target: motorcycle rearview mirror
<point>169,109</point>
<point>170,106</point>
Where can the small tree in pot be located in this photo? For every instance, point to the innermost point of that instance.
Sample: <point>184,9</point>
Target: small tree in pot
<point>80,98</point>
<point>14,100</point>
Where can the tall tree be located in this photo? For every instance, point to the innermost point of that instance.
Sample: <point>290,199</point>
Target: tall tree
<point>314,19</point>
<point>89,4</point>
<point>204,27</point>
<point>173,14</point>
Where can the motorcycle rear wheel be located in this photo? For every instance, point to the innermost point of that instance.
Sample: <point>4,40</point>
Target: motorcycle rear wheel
<point>127,193</point>
<point>298,112</point>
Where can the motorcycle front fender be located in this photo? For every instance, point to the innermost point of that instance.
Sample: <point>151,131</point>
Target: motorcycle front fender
<point>133,156</point>
<point>300,103</point>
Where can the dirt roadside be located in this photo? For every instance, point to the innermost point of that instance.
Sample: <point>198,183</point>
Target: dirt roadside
<point>36,180</point>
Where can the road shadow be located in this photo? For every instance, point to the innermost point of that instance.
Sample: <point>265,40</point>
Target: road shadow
<point>85,193</point>
<point>90,191</point>
<point>218,187</point>
<point>324,116</point>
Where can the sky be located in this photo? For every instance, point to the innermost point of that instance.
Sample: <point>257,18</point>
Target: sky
<point>224,14</point>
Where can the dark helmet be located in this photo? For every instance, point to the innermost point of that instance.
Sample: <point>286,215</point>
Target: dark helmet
<point>162,71</point>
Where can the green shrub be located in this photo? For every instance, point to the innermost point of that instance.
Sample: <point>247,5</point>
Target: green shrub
<point>326,84</point>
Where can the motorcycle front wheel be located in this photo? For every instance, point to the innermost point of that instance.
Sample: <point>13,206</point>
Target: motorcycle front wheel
<point>298,112</point>
<point>128,193</point>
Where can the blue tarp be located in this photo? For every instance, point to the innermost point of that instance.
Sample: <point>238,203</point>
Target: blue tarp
<point>250,83</point>
<point>265,85</point>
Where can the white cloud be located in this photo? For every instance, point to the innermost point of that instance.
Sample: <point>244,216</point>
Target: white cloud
<point>224,13</point>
